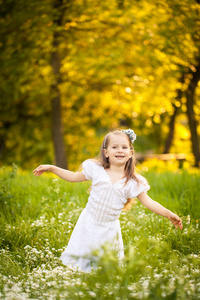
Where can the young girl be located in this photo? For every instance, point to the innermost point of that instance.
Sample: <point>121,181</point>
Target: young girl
<point>113,182</point>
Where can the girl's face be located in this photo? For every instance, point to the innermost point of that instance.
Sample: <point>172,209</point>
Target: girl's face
<point>118,151</point>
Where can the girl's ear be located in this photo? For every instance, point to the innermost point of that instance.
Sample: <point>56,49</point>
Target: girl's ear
<point>105,153</point>
<point>131,153</point>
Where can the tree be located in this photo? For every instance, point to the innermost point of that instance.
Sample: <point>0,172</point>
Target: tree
<point>24,84</point>
<point>190,95</point>
<point>57,128</point>
<point>190,70</point>
<point>87,67</point>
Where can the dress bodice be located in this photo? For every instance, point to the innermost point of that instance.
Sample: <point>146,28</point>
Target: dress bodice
<point>107,200</point>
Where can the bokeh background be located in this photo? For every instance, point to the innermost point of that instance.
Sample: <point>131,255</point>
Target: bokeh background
<point>71,70</point>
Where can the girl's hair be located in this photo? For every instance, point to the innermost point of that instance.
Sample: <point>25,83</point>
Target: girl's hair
<point>130,165</point>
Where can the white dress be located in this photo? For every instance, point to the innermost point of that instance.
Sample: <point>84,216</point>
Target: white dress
<point>98,223</point>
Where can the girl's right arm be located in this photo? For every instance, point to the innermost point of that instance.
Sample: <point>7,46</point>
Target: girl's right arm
<point>62,173</point>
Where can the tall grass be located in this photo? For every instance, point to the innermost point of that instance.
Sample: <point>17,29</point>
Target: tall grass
<point>37,218</point>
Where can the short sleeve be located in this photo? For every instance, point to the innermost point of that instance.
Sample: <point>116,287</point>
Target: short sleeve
<point>88,169</point>
<point>137,188</point>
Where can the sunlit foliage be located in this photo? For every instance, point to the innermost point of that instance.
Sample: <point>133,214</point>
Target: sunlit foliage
<point>121,63</point>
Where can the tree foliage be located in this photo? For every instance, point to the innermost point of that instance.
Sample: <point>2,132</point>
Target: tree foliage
<point>121,64</point>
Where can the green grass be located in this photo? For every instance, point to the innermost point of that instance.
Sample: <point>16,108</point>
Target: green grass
<point>37,219</point>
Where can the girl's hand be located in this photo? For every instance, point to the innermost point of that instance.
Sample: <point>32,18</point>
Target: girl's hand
<point>175,220</point>
<point>41,169</point>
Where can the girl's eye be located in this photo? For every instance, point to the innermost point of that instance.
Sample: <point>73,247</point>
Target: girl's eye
<point>125,147</point>
<point>114,147</point>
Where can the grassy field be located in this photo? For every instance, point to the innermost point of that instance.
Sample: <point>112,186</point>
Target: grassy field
<point>39,214</point>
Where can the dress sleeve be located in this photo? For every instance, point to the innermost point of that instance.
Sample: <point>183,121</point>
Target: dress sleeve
<point>88,169</point>
<point>138,187</point>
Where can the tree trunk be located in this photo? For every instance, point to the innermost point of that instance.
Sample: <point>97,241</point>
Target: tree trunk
<point>170,137</point>
<point>57,130</point>
<point>190,93</point>
<point>2,146</point>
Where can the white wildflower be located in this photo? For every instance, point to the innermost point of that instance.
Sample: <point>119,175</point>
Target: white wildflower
<point>188,219</point>
<point>92,294</point>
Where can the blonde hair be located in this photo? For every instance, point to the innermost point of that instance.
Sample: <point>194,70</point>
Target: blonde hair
<point>129,168</point>
<point>128,204</point>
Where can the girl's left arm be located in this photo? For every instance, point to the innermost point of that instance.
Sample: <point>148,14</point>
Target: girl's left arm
<point>159,209</point>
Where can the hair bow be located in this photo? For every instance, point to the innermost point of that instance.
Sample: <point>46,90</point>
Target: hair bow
<point>131,134</point>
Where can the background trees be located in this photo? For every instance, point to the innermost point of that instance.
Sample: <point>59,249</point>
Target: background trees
<point>71,70</point>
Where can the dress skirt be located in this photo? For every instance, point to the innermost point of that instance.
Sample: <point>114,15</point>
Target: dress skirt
<point>88,237</point>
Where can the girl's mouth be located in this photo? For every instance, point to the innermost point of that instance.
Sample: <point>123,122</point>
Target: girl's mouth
<point>119,156</point>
